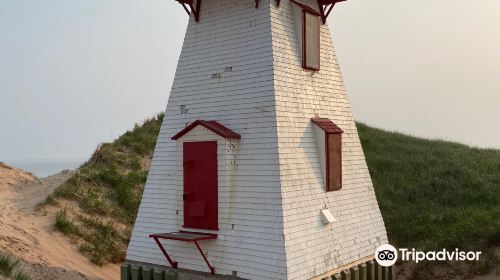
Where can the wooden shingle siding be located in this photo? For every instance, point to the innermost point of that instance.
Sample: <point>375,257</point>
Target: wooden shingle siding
<point>312,248</point>
<point>270,185</point>
<point>249,194</point>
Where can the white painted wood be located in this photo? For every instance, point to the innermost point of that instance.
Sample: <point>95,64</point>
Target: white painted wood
<point>320,137</point>
<point>271,185</point>
<point>312,249</point>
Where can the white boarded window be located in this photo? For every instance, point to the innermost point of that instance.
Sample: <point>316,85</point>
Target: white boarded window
<point>311,40</point>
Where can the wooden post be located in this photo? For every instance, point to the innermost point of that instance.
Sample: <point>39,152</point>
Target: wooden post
<point>354,273</point>
<point>362,271</point>
<point>125,271</point>
<point>336,277</point>
<point>392,272</point>
<point>370,270</point>
<point>171,275</point>
<point>136,272</point>
<point>345,275</point>
<point>159,274</point>
<point>147,273</point>
<point>378,272</point>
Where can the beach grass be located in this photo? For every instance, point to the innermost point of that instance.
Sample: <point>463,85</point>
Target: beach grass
<point>64,224</point>
<point>108,190</point>
<point>10,268</point>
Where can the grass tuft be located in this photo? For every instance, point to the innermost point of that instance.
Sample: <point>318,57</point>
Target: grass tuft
<point>7,264</point>
<point>102,244</point>
<point>64,225</point>
<point>10,268</point>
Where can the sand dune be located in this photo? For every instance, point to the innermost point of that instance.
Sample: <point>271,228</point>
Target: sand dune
<point>10,176</point>
<point>28,234</point>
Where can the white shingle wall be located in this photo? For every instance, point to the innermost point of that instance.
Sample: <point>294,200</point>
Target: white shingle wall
<point>271,191</point>
<point>229,34</point>
<point>311,247</point>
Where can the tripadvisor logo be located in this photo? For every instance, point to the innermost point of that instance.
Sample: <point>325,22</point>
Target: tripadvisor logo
<point>387,255</point>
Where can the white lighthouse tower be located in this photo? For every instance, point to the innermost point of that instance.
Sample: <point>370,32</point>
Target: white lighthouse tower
<point>258,172</point>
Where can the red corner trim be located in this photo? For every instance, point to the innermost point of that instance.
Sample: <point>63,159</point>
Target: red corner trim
<point>327,125</point>
<point>214,126</point>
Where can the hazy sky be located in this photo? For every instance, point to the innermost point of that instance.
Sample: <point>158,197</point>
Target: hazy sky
<point>77,73</point>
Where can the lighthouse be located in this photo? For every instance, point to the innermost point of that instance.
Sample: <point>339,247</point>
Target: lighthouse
<point>258,171</point>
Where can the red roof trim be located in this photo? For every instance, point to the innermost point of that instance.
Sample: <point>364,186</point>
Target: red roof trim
<point>327,125</point>
<point>214,126</point>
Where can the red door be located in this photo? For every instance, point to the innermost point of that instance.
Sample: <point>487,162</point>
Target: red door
<point>200,185</point>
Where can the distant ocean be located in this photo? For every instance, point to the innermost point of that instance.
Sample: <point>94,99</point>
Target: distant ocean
<point>44,168</point>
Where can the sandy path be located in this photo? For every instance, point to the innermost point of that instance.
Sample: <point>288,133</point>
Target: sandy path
<point>29,235</point>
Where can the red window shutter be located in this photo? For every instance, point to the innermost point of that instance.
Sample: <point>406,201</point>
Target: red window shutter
<point>334,162</point>
<point>333,153</point>
<point>310,40</point>
<point>200,185</point>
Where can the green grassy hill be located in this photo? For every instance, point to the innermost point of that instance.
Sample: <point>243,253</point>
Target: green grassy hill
<point>98,205</point>
<point>433,195</point>
<point>436,194</point>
